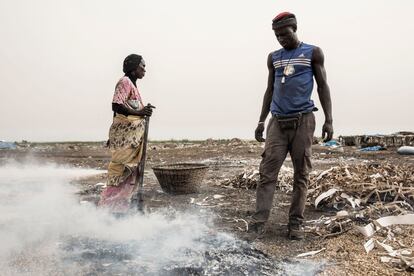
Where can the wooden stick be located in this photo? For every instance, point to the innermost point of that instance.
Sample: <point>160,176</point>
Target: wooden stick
<point>139,179</point>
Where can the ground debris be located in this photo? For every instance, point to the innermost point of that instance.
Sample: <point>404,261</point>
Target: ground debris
<point>393,248</point>
<point>310,253</point>
<point>249,179</point>
<point>369,198</point>
<point>363,184</point>
<point>360,194</point>
<point>403,138</point>
<point>344,254</point>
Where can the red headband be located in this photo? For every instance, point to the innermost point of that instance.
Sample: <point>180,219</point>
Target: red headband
<point>281,15</point>
<point>284,19</point>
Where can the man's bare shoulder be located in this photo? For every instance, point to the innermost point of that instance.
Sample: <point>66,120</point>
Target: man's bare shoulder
<point>317,54</point>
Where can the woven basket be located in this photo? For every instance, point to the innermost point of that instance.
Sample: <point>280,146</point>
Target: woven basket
<point>180,178</point>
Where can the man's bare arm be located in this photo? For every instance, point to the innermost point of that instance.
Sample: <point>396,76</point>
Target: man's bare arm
<point>267,99</point>
<point>323,92</point>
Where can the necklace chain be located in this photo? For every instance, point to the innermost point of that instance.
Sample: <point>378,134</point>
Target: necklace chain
<point>281,58</point>
<point>287,64</point>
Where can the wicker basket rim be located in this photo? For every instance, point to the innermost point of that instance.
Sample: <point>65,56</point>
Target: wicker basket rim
<point>170,167</point>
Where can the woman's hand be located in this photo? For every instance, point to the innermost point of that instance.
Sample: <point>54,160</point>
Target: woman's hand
<point>146,111</point>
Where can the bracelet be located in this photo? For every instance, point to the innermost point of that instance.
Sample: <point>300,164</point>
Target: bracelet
<point>260,123</point>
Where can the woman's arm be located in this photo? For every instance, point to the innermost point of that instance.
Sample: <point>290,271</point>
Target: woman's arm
<point>125,110</point>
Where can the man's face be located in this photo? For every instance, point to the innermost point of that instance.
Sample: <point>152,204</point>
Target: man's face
<point>141,69</point>
<point>286,36</point>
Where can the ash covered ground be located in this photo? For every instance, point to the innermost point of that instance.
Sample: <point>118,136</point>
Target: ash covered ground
<point>215,215</point>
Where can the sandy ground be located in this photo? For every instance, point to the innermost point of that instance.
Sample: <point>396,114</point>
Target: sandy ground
<point>344,254</point>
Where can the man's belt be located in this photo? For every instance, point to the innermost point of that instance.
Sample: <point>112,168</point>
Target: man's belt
<point>296,115</point>
<point>291,121</point>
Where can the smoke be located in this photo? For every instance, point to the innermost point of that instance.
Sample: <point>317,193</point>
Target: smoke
<point>44,230</point>
<point>41,218</point>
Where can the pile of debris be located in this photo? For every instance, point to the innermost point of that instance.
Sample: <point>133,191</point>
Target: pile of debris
<point>371,198</point>
<point>249,180</point>
<point>362,184</point>
<point>398,139</point>
<point>391,234</point>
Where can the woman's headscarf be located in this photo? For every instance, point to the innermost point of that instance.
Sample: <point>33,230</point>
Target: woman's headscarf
<point>131,63</point>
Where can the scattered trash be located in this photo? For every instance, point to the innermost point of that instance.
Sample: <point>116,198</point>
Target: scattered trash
<point>378,196</point>
<point>406,150</point>
<point>7,145</point>
<point>249,180</point>
<point>403,257</point>
<point>325,195</point>
<point>373,148</point>
<point>371,228</point>
<point>205,202</point>
<point>363,184</point>
<point>332,143</point>
<point>310,253</point>
<point>333,146</point>
<point>92,189</point>
<point>236,142</point>
<point>101,185</point>
<point>369,245</point>
<point>342,213</point>
<point>336,149</point>
<point>393,140</point>
<point>354,202</point>
<point>246,224</point>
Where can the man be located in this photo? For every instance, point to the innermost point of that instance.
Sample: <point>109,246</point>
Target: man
<point>291,127</point>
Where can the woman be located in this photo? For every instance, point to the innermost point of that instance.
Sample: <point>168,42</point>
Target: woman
<point>125,137</point>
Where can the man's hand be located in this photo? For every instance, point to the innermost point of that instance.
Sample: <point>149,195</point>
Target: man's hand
<point>258,133</point>
<point>327,130</point>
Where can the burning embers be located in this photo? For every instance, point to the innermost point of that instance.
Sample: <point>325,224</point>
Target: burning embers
<point>215,254</point>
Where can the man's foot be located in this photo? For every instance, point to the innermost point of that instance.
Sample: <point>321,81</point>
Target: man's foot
<point>295,232</point>
<point>257,227</point>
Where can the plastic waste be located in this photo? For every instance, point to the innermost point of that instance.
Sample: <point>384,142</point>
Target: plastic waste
<point>332,143</point>
<point>406,150</point>
<point>374,148</point>
<point>7,145</point>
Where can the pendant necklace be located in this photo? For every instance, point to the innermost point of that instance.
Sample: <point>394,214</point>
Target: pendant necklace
<point>288,69</point>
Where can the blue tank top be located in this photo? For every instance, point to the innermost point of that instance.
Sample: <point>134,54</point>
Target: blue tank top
<point>292,91</point>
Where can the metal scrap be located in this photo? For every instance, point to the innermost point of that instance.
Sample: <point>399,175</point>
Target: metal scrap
<point>370,198</point>
<point>249,180</point>
<point>371,228</point>
<point>403,258</point>
<point>325,195</point>
<point>362,184</point>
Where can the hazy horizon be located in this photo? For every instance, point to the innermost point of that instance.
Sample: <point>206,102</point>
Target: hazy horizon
<point>206,65</point>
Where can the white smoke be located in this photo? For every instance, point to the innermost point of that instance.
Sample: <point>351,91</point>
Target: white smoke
<point>45,231</point>
<point>39,210</point>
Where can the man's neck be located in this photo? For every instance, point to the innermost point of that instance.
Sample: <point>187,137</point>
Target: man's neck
<point>296,45</point>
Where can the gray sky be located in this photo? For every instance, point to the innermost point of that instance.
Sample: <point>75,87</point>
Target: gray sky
<point>206,64</point>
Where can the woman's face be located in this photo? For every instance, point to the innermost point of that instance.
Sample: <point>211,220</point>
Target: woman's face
<point>140,72</point>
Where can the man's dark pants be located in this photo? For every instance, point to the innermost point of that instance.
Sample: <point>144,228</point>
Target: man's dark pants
<point>279,142</point>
